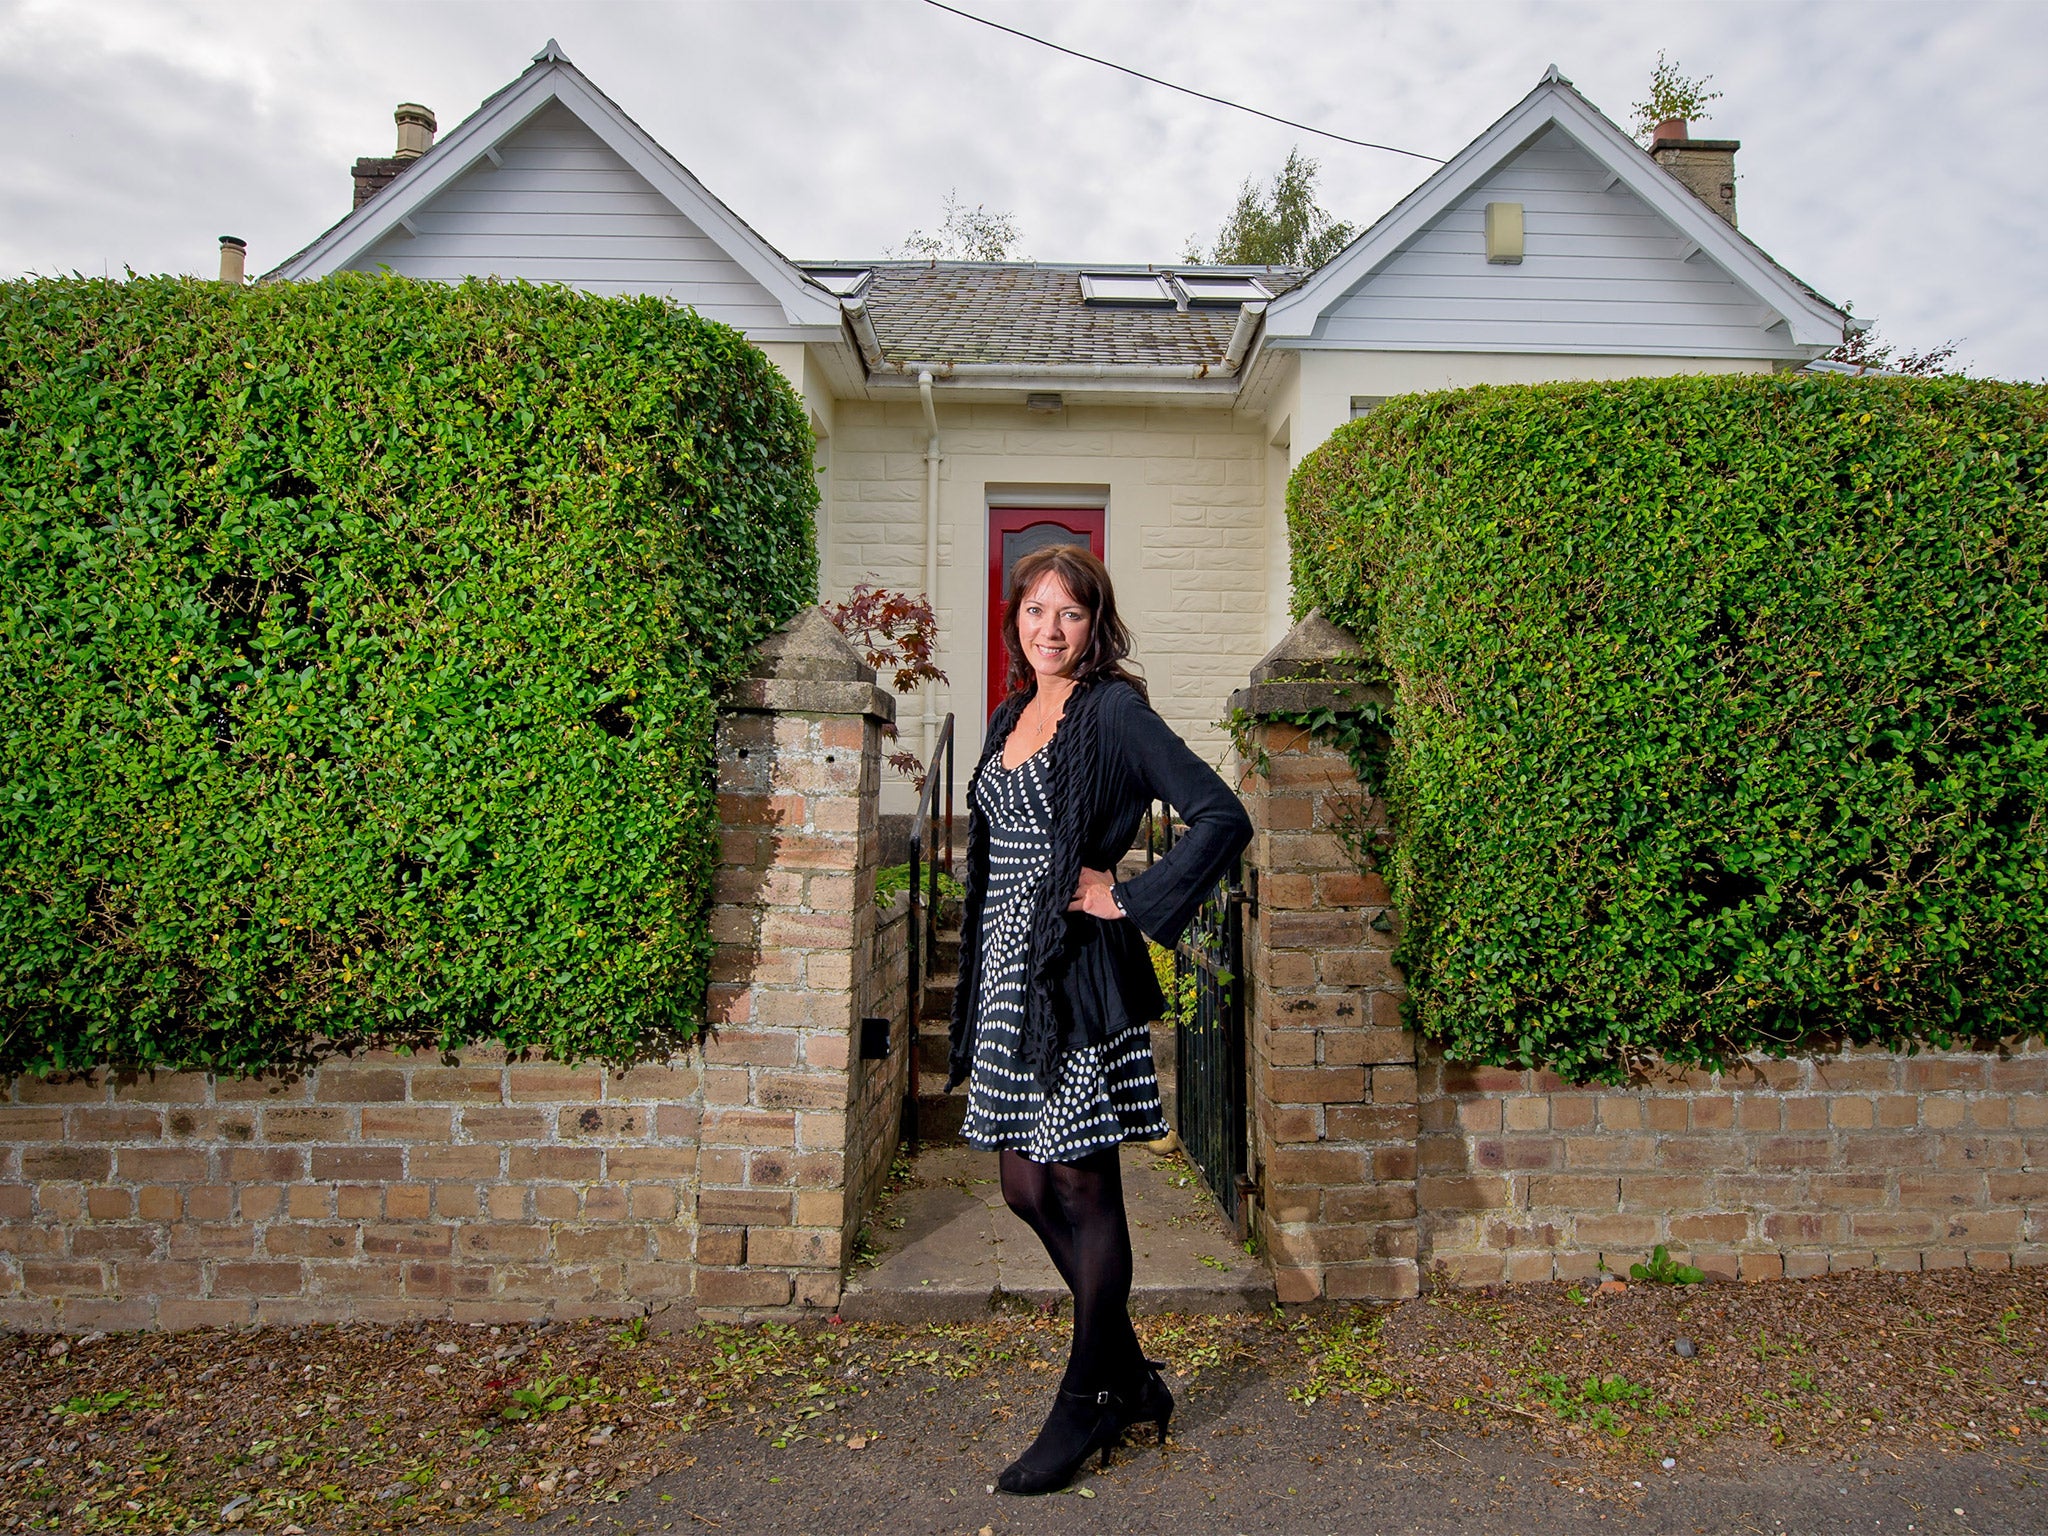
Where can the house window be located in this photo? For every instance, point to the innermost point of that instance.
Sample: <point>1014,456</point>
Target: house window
<point>1124,288</point>
<point>844,281</point>
<point>1365,405</point>
<point>1207,288</point>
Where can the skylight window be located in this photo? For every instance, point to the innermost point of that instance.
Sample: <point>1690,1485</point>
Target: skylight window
<point>1210,289</point>
<point>844,281</point>
<point>1124,288</point>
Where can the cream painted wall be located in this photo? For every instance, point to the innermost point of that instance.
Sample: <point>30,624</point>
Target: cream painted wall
<point>1188,536</point>
<point>800,365</point>
<point>1283,406</point>
<point>805,374</point>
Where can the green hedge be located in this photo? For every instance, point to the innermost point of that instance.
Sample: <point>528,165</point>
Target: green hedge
<point>361,643</point>
<point>1722,708</point>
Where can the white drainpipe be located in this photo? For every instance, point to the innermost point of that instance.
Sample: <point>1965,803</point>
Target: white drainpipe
<point>931,541</point>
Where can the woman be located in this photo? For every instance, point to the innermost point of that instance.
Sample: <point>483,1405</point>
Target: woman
<point>1056,986</point>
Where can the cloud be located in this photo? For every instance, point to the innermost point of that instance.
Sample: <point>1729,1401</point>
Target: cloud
<point>1886,148</point>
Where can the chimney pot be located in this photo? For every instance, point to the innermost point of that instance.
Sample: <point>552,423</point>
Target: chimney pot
<point>416,128</point>
<point>234,253</point>
<point>1671,131</point>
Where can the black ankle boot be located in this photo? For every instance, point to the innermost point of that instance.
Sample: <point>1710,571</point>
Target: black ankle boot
<point>1080,1424</point>
<point>1147,1400</point>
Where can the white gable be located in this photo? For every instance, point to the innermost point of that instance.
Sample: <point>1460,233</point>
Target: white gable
<point>561,206</point>
<point>1602,273</point>
<point>548,180</point>
<point>1620,259</point>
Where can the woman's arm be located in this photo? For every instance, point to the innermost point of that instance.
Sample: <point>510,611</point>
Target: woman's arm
<point>1164,899</point>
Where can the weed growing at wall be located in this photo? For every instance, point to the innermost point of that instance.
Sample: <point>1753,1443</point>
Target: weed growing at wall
<point>1721,708</point>
<point>361,642</point>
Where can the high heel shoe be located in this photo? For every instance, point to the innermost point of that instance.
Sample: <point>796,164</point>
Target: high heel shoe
<point>1080,1424</point>
<point>1149,1402</point>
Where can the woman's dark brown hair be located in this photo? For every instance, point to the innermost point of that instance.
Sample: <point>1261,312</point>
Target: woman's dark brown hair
<point>1087,582</point>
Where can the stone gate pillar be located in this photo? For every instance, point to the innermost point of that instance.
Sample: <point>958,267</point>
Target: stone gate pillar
<point>1333,1111</point>
<point>789,1105</point>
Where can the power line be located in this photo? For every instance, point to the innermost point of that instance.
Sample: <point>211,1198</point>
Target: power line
<point>1183,89</point>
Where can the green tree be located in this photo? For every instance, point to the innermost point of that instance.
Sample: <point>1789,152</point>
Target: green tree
<point>1672,95</point>
<point>1868,352</point>
<point>965,234</point>
<point>1280,226</point>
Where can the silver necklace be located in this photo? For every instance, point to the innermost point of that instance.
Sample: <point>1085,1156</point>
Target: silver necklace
<point>1044,716</point>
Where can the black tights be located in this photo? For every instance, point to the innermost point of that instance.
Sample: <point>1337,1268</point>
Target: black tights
<point>1077,1210</point>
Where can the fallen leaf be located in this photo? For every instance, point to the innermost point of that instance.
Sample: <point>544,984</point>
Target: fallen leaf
<point>857,1443</point>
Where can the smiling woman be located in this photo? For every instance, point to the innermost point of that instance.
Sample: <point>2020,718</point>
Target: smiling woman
<point>1056,985</point>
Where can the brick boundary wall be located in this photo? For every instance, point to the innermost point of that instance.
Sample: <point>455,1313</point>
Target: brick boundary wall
<point>1332,1110</point>
<point>875,1118</point>
<point>391,1187</point>
<point>1776,1168</point>
<point>1379,1165</point>
<point>383,1187</point>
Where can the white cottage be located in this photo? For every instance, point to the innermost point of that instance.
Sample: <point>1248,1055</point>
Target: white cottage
<point>966,412</point>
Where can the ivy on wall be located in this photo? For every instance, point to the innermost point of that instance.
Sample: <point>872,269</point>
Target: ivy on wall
<point>1722,708</point>
<point>359,645</point>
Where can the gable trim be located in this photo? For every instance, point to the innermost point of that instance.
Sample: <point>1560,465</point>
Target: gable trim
<point>1811,322</point>
<point>811,313</point>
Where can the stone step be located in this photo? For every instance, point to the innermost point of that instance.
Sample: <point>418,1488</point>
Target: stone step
<point>939,1114</point>
<point>934,1050</point>
<point>948,1250</point>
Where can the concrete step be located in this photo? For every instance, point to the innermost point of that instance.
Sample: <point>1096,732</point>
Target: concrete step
<point>946,1248</point>
<point>934,1052</point>
<point>939,1114</point>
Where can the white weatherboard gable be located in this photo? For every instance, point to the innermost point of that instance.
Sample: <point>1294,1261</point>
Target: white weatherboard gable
<point>1621,258</point>
<point>550,181</point>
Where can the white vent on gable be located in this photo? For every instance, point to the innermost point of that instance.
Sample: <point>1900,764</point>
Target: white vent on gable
<point>1124,288</point>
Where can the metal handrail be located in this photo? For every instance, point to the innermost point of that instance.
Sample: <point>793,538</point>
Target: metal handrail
<point>924,899</point>
<point>1158,831</point>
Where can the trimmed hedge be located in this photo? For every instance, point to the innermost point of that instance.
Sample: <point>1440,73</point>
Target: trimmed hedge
<point>1721,712</point>
<point>361,642</point>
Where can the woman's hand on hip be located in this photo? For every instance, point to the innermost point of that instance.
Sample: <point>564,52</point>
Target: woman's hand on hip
<point>1092,895</point>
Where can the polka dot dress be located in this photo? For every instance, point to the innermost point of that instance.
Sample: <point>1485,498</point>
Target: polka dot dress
<point>1106,1094</point>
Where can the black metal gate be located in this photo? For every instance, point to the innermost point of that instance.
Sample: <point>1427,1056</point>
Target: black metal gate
<point>1209,991</point>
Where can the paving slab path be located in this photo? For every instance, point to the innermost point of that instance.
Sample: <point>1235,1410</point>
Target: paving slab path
<point>946,1249</point>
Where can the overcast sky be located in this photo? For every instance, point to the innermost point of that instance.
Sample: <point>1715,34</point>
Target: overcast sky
<point>1890,151</point>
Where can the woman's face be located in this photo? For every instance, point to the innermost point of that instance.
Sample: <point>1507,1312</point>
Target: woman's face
<point>1052,627</point>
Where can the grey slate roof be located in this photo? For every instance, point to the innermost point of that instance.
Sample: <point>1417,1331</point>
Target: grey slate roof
<point>1032,312</point>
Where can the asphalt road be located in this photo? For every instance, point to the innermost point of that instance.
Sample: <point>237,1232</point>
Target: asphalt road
<point>1243,1458</point>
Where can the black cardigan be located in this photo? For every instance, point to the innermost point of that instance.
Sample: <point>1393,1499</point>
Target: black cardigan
<point>1090,979</point>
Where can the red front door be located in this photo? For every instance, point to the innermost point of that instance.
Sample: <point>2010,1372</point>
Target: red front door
<point>1014,532</point>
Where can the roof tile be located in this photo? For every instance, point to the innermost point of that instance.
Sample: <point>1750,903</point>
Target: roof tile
<point>1026,312</point>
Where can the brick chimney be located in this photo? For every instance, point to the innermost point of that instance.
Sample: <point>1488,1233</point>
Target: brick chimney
<point>1706,167</point>
<point>416,128</point>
